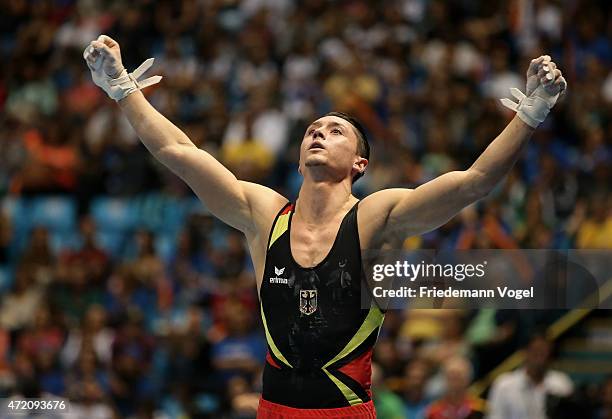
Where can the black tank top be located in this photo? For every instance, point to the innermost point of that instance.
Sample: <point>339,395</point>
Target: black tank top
<point>319,338</point>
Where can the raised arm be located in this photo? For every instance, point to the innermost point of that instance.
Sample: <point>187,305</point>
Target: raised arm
<point>237,203</point>
<point>416,211</point>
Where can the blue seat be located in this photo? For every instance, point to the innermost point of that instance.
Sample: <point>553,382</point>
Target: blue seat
<point>17,246</point>
<point>58,214</point>
<point>161,213</point>
<point>165,245</point>
<point>114,214</point>
<point>16,210</point>
<point>175,215</point>
<point>194,206</point>
<point>6,279</point>
<point>152,211</point>
<point>64,241</point>
<point>111,241</point>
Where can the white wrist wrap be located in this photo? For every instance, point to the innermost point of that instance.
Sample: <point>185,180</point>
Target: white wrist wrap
<point>127,83</point>
<point>531,109</point>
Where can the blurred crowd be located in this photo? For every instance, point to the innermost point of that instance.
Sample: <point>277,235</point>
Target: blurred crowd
<point>137,332</point>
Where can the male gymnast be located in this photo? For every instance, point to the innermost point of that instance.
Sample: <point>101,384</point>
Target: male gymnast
<point>307,254</point>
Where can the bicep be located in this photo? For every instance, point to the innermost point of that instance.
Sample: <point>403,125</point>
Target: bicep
<point>416,211</point>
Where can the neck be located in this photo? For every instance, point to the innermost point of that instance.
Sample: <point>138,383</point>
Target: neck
<point>319,200</point>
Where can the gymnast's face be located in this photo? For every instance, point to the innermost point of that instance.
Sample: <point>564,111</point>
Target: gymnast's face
<point>329,150</point>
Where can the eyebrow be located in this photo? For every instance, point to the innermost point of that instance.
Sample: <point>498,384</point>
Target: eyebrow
<point>330,124</point>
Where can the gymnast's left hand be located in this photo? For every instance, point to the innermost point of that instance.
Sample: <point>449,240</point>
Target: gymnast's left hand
<point>545,84</point>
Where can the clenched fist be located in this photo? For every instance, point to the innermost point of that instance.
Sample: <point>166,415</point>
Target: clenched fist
<point>104,54</point>
<point>103,57</point>
<point>545,83</point>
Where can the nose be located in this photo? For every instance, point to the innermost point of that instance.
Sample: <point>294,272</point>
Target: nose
<point>319,133</point>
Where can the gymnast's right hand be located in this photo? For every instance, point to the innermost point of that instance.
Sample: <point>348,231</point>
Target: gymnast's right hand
<point>103,57</point>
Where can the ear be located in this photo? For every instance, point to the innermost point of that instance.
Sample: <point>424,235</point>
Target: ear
<point>359,165</point>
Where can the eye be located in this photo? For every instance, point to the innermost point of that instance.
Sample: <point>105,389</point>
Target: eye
<point>310,131</point>
<point>336,131</point>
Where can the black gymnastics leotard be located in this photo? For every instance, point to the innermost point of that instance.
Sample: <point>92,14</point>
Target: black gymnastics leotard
<point>319,338</point>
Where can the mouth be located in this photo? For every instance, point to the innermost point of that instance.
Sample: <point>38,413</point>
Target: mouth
<point>316,145</point>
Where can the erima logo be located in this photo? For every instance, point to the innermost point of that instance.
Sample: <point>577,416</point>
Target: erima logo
<point>276,279</point>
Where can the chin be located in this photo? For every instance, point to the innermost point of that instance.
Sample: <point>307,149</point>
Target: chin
<point>315,161</point>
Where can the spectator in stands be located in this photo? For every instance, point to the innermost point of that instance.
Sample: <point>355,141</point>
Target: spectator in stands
<point>87,368</point>
<point>242,350</point>
<point>49,374</point>
<point>91,334</point>
<point>249,159</point>
<point>190,355</point>
<point>424,324</point>
<point>89,402</point>
<point>94,259</point>
<point>388,358</point>
<point>415,398</point>
<point>596,229</point>
<point>53,161</point>
<point>13,153</point>
<point>148,269</point>
<point>40,343</point>
<point>74,290</point>
<point>242,399</point>
<point>523,393</point>
<point>126,291</point>
<point>23,375</point>
<point>492,336</point>
<point>456,403</point>
<point>37,94</point>
<point>38,255</point>
<point>233,261</point>
<point>132,352</point>
<point>18,307</point>
<point>388,404</point>
<point>451,343</point>
<point>190,270</point>
<point>44,335</point>
<point>486,231</point>
<point>254,139</point>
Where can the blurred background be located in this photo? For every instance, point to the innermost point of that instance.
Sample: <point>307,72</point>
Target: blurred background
<point>121,293</point>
